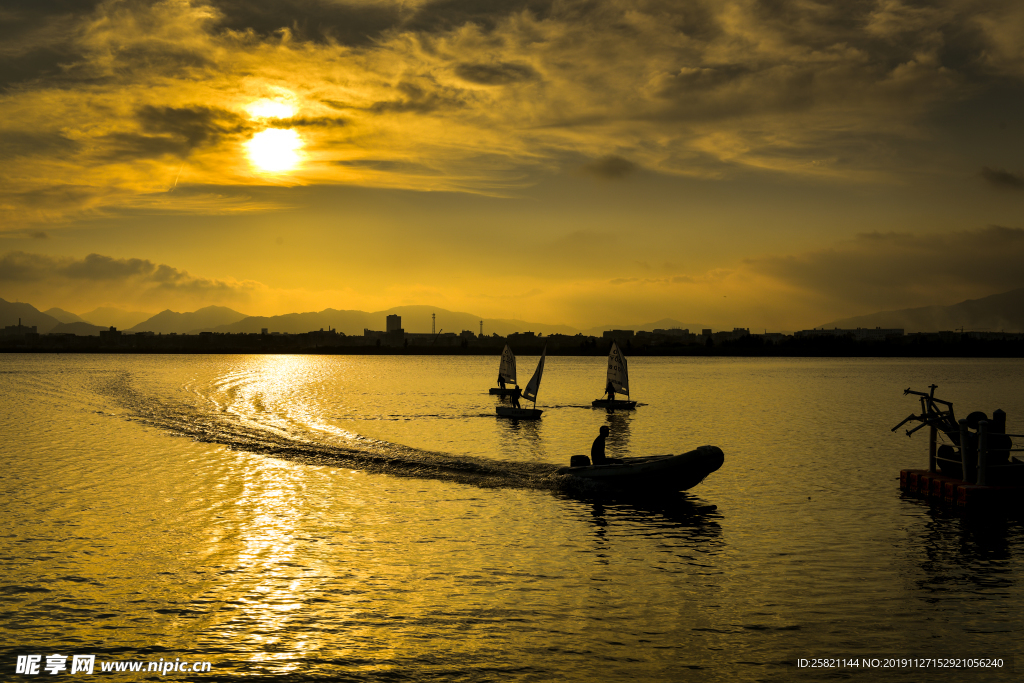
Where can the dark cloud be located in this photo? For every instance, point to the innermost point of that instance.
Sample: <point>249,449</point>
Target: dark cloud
<point>1002,180</point>
<point>99,271</point>
<point>322,21</point>
<point>389,166</point>
<point>496,74</point>
<point>34,63</point>
<point>610,167</point>
<point>416,100</point>
<point>444,15</point>
<point>310,122</point>
<point>174,131</point>
<point>20,266</point>
<point>98,267</point>
<point>160,59</point>
<point>195,125</point>
<point>37,38</point>
<point>39,235</point>
<point>16,143</point>
<point>899,270</point>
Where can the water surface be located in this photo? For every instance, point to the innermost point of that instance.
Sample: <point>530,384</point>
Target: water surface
<point>368,518</point>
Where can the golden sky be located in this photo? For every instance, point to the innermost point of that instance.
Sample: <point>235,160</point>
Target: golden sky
<point>772,164</point>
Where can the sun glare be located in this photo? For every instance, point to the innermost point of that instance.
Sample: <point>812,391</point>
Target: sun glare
<point>270,109</point>
<point>275,150</point>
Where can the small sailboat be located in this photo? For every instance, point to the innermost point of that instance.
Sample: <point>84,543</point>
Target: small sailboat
<point>530,393</point>
<point>618,382</point>
<point>506,374</point>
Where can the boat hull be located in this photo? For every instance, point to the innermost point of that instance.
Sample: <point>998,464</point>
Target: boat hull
<point>614,405</point>
<point>518,413</point>
<point>495,391</point>
<point>662,472</point>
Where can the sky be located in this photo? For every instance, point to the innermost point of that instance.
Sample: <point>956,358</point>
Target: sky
<point>771,164</point>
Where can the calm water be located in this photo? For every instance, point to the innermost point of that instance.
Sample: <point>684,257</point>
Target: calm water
<point>368,519</point>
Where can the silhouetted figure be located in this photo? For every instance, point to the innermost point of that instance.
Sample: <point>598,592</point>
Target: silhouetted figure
<point>611,391</point>
<point>501,382</point>
<point>597,450</point>
<point>516,393</point>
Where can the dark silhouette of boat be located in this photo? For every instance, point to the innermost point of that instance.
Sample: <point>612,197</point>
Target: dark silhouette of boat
<point>530,393</point>
<point>653,472</point>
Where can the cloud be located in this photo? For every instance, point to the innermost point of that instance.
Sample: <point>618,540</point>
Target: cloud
<point>880,271</point>
<point>1002,180</point>
<point>109,97</point>
<point>610,167</point>
<point>495,74</point>
<point>97,267</point>
<point>97,277</point>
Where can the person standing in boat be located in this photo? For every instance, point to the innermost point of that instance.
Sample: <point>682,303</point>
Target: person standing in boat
<point>611,391</point>
<point>597,450</point>
<point>501,382</point>
<point>516,393</point>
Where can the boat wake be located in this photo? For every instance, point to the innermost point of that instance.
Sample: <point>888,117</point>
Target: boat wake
<point>351,451</point>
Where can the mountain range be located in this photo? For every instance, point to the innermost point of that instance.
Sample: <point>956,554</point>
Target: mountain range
<point>415,319</point>
<point>221,319</point>
<point>997,313</point>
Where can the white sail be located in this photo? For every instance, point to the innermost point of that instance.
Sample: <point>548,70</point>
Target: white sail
<point>530,393</point>
<point>507,369</point>
<point>618,376</point>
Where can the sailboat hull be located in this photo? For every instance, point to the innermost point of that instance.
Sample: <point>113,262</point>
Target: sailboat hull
<point>495,391</point>
<point>613,405</point>
<point>660,472</point>
<point>518,413</point>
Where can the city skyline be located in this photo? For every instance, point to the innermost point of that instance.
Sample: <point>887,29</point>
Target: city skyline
<point>776,165</point>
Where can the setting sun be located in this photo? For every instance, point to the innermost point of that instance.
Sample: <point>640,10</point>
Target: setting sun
<point>275,150</point>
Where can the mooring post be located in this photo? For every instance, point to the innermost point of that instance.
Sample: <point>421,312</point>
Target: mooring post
<point>965,452</point>
<point>932,438</point>
<point>982,452</point>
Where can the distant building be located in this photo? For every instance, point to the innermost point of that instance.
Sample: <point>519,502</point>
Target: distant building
<point>18,330</point>
<point>394,335</point>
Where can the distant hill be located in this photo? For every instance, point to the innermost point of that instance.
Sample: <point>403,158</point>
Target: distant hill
<point>29,315</point>
<point>115,317</point>
<point>997,313</point>
<point>81,329</point>
<point>64,316</point>
<point>183,323</point>
<point>415,319</point>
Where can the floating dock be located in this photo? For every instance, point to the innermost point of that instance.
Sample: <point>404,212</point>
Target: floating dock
<point>953,492</point>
